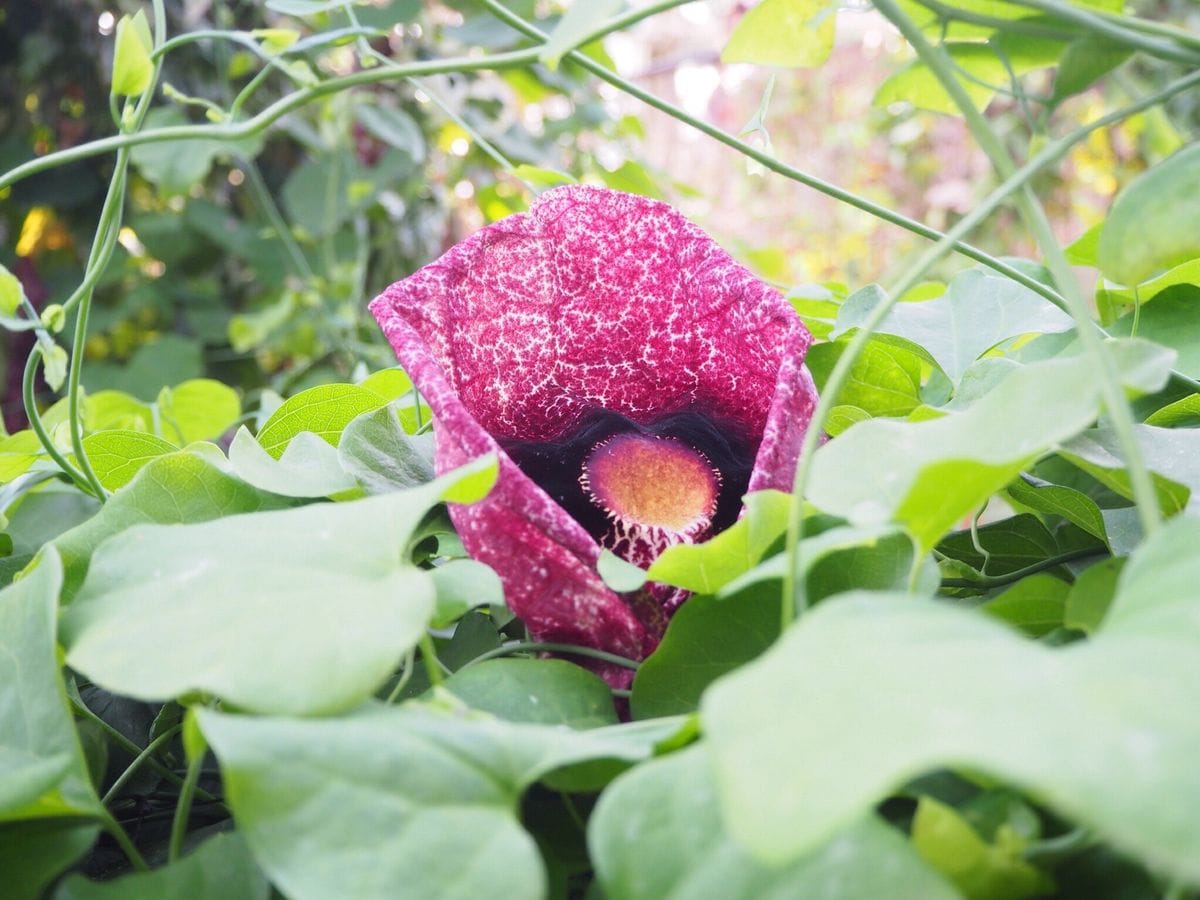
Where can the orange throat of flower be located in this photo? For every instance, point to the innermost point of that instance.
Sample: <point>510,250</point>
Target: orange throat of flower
<point>656,491</point>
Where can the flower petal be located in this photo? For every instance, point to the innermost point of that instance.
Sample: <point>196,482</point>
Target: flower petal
<point>593,298</point>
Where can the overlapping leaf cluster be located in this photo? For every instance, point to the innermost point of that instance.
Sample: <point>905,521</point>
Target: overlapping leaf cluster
<point>243,650</point>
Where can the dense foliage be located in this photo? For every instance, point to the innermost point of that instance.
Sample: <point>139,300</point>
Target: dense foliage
<point>242,648</point>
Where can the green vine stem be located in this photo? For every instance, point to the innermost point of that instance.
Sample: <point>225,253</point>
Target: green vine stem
<point>183,808</point>
<point>544,647</point>
<point>39,428</point>
<point>1128,31</point>
<point>113,827</point>
<point>429,659</point>
<point>1114,29</point>
<point>992,581</point>
<point>125,743</point>
<point>794,596</point>
<point>138,760</point>
<point>1113,395</point>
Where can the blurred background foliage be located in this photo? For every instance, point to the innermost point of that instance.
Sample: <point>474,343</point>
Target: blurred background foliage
<point>252,262</point>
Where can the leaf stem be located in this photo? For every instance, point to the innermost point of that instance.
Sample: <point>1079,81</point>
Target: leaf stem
<point>127,745</point>
<point>275,217</point>
<point>405,677</point>
<point>183,807</point>
<point>260,121</point>
<point>137,763</point>
<point>121,836</point>
<point>1063,846</point>
<point>429,658</point>
<point>1111,27</point>
<point>1011,577</point>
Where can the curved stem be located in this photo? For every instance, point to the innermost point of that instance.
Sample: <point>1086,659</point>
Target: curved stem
<point>127,745</point>
<point>429,658</point>
<point>183,808</point>
<point>990,581</point>
<point>551,647</point>
<point>405,676</point>
<point>121,836</point>
<point>132,768</point>
<point>39,428</point>
<point>1035,218</point>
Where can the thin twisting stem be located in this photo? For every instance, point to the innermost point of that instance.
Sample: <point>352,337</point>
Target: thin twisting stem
<point>794,596</point>
<point>1031,210</point>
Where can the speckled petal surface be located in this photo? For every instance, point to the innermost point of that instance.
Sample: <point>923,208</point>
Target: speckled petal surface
<point>593,298</point>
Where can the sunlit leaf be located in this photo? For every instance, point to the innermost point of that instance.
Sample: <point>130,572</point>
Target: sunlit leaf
<point>928,474</point>
<point>783,33</point>
<point>116,456</point>
<point>325,411</point>
<point>132,66</point>
<point>1154,223</point>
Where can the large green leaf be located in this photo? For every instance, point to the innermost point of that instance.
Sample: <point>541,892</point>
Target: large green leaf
<point>1155,221</point>
<point>43,773</point>
<point>856,700</point>
<point>1056,499</point>
<point>657,834</point>
<point>705,639</point>
<point>1184,273</point>
<point>409,797</point>
<point>709,636</point>
<point>928,474</point>
<point>34,851</point>
<point>297,611</point>
<point>978,310</point>
<point>221,869</point>
<point>176,488</point>
<point>784,33</point>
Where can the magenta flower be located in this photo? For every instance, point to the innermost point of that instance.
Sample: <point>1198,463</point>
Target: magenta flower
<point>635,380</point>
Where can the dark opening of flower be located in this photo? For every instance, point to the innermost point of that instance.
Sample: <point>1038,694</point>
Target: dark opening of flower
<point>636,379</point>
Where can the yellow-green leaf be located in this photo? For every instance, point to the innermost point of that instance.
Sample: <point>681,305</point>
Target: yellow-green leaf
<point>788,33</point>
